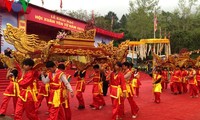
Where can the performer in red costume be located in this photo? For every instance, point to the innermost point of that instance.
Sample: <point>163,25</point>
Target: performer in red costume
<point>11,91</point>
<point>98,100</point>
<point>62,66</point>
<point>198,76</point>
<point>43,92</point>
<point>176,81</point>
<point>117,91</point>
<point>58,83</point>
<point>136,82</point>
<point>184,74</point>
<point>193,89</point>
<point>27,96</point>
<point>129,91</point>
<point>157,87</point>
<point>80,87</point>
<point>65,104</point>
<point>164,82</point>
<point>107,73</point>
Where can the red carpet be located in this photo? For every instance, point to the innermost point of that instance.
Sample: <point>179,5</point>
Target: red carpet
<point>3,81</point>
<point>172,107</point>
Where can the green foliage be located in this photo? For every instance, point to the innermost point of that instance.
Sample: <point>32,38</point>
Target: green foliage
<point>182,25</point>
<point>78,14</point>
<point>140,18</point>
<point>115,43</point>
<point>102,22</point>
<point>123,21</point>
<point>113,19</point>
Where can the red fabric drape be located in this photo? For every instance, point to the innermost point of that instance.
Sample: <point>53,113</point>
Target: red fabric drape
<point>109,33</point>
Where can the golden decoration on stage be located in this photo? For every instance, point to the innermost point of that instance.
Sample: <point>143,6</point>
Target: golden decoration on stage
<point>82,44</point>
<point>23,43</point>
<point>198,62</point>
<point>88,35</point>
<point>146,46</point>
<point>157,47</point>
<point>18,56</point>
<point>7,60</point>
<point>71,44</point>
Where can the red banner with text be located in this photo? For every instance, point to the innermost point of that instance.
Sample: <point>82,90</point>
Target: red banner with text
<point>55,20</point>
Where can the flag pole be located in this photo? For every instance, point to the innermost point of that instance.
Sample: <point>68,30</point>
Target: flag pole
<point>155,23</point>
<point>154,34</point>
<point>160,33</point>
<point>42,3</point>
<point>93,17</point>
<point>112,21</point>
<point>61,5</point>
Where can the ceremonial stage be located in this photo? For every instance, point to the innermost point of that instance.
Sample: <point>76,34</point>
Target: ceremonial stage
<point>172,107</point>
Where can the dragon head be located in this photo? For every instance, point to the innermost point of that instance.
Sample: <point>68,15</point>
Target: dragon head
<point>12,34</point>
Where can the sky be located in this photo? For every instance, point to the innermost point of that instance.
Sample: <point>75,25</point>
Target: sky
<point>102,7</point>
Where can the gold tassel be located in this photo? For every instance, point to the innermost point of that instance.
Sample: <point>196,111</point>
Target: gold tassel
<point>169,49</point>
<point>154,48</point>
<point>133,49</point>
<point>150,46</point>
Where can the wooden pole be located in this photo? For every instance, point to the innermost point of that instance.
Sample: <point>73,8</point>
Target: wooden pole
<point>133,53</point>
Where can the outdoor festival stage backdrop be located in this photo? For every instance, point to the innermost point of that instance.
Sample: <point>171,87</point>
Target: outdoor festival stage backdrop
<point>7,17</point>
